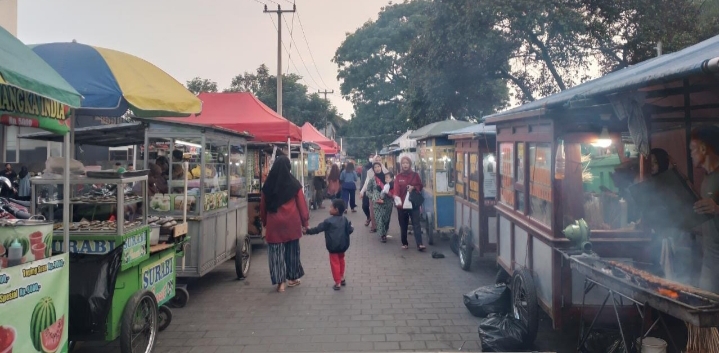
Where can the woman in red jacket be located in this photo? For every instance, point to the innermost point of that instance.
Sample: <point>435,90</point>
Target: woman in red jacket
<point>283,211</point>
<point>408,181</point>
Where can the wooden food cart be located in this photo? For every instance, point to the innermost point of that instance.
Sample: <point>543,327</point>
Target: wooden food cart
<point>540,195</point>
<point>475,222</point>
<point>436,168</point>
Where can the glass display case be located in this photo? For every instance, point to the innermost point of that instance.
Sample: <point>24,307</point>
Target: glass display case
<point>437,167</point>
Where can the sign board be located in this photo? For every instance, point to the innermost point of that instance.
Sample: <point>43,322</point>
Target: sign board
<point>23,108</point>
<point>159,277</point>
<point>313,161</point>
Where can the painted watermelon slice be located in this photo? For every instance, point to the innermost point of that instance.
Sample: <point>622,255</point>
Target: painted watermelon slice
<point>50,338</point>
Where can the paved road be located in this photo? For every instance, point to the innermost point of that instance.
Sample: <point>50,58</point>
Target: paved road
<point>395,300</point>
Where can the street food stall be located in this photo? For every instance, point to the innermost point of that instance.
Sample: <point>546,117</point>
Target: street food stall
<point>34,279</point>
<point>574,250</point>
<point>436,168</point>
<point>475,222</point>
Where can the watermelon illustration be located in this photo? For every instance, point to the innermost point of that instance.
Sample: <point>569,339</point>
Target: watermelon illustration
<point>22,240</point>
<point>52,336</point>
<point>48,245</point>
<point>43,316</point>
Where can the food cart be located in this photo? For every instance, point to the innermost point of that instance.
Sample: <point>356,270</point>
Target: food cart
<point>436,168</point>
<point>216,202</point>
<point>475,222</point>
<point>545,183</point>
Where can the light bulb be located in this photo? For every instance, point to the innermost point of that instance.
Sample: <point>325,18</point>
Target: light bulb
<point>604,139</point>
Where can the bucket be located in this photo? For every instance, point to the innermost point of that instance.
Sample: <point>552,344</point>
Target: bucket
<point>653,345</point>
<point>154,234</point>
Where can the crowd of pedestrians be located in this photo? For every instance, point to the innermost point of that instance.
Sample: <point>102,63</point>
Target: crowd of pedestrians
<point>285,215</point>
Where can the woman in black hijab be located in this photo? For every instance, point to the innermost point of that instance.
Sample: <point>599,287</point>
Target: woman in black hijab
<point>659,159</point>
<point>283,210</point>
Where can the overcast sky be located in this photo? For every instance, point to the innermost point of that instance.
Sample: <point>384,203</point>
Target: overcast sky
<point>214,39</point>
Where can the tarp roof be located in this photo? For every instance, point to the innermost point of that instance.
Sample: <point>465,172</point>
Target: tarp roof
<point>694,60</point>
<point>311,134</point>
<point>439,128</point>
<point>243,112</point>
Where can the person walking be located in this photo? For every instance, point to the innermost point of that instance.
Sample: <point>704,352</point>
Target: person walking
<point>365,200</point>
<point>407,182</point>
<point>337,230</point>
<point>23,182</point>
<point>363,191</point>
<point>348,180</point>
<point>333,182</point>
<point>284,213</point>
<point>381,202</point>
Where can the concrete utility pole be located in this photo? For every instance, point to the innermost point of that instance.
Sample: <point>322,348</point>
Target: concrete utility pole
<point>325,92</point>
<point>279,13</point>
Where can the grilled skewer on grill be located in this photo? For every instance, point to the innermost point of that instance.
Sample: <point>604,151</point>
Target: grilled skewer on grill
<point>661,282</point>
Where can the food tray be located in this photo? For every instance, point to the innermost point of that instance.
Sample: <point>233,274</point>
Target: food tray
<point>112,174</point>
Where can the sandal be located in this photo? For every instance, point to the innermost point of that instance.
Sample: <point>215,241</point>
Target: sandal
<point>421,248</point>
<point>336,287</point>
<point>281,287</point>
<point>344,283</point>
<point>383,239</point>
<point>293,283</point>
<point>405,247</point>
<point>366,224</point>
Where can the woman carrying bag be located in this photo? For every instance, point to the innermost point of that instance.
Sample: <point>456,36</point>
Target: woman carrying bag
<point>408,187</point>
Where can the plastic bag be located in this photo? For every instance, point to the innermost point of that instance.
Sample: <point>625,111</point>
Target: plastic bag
<point>502,334</point>
<point>54,167</point>
<point>492,299</point>
<point>407,205</point>
<point>397,201</point>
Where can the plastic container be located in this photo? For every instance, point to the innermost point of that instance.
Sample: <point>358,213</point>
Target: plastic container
<point>652,345</point>
<point>14,257</point>
<point>154,234</point>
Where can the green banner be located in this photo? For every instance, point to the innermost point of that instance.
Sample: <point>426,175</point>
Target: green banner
<point>22,108</point>
<point>159,277</point>
<point>34,306</point>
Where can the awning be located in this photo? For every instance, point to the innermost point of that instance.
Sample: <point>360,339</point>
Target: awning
<point>472,131</point>
<point>439,128</point>
<point>694,60</point>
<point>311,134</point>
<point>243,112</point>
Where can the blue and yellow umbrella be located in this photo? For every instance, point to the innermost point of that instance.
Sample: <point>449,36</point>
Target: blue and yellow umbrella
<point>111,82</point>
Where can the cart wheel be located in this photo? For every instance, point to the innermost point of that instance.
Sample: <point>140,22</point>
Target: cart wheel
<point>243,255</point>
<point>139,323</point>
<point>465,248</point>
<point>182,296</point>
<point>454,241</point>
<point>524,302</point>
<point>502,277</point>
<point>164,318</point>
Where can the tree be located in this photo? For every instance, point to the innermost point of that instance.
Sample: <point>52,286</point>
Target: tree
<point>297,105</point>
<point>198,85</point>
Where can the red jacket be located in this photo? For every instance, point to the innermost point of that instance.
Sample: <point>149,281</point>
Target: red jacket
<point>285,225</point>
<point>404,179</point>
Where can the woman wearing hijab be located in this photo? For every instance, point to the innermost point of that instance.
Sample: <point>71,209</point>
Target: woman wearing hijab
<point>381,204</point>
<point>659,159</point>
<point>333,182</point>
<point>23,181</point>
<point>284,212</point>
<point>408,181</point>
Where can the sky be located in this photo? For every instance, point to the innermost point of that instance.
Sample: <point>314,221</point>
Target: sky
<point>213,39</point>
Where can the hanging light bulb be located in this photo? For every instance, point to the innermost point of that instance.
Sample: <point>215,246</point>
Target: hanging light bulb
<point>604,139</point>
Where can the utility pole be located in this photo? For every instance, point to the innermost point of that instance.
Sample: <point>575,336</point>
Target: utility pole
<point>279,13</point>
<point>325,92</point>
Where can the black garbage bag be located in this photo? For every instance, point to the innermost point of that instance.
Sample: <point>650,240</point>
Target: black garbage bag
<point>598,341</point>
<point>92,286</point>
<point>502,334</point>
<point>492,299</point>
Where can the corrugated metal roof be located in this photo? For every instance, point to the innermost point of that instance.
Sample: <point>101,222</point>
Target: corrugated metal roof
<point>438,129</point>
<point>475,129</point>
<point>690,61</point>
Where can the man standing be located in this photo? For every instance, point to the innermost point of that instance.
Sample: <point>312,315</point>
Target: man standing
<point>704,147</point>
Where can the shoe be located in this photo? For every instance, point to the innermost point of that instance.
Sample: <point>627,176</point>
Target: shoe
<point>336,287</point>
<point>353,210</point>
<point>344,283</point>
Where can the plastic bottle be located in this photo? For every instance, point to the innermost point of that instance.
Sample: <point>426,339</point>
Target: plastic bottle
<point>559,163</point>
<point>14,254</point>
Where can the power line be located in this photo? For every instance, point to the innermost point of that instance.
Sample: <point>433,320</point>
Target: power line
<point>289,53</point>
<point>301,59</point>
<point>260,2</point>
<point>291,61</point>
<point>299,19</point>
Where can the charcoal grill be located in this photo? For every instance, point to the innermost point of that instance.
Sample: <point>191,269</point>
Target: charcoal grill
<point>698,308</point>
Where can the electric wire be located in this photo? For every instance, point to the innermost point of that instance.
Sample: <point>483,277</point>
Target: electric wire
<point>299,19</point>
<point>302,59</point>
<point>291,61</point>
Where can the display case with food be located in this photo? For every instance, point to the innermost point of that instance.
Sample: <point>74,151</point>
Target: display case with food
<point>99,219</point>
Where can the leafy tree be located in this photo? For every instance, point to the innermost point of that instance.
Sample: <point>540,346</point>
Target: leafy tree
<point>297,105</point>
<point>198,85</point>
